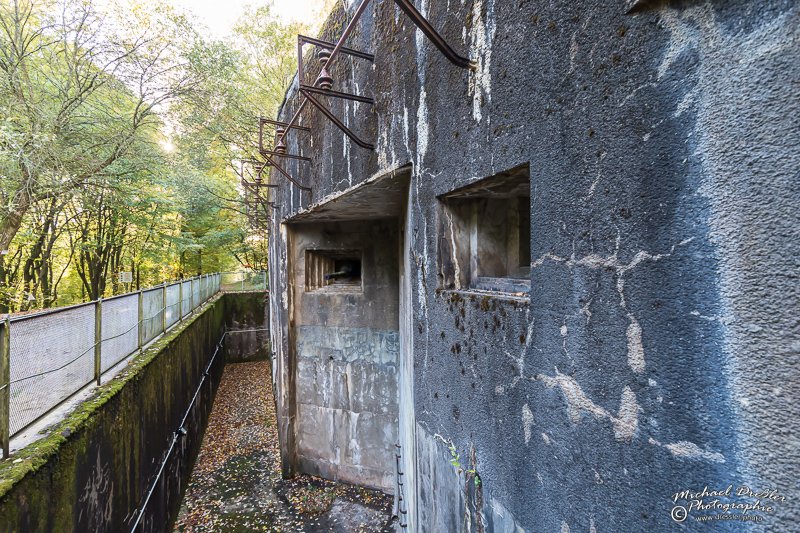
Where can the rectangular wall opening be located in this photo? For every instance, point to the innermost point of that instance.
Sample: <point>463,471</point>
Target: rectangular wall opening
<point>485,234</point>
<point>333,270</point>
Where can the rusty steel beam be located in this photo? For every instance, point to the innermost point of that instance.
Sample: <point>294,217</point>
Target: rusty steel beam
<point>328,45</point>
<point>286,175</point>
<point>348,30</point>
<point>251,184</point>
<point>264,120</point>
<point>338,123</point>
<point>337,94</point>
<point>287,156</point>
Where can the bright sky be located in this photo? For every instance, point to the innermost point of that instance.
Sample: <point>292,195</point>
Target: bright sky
<point>220,15</point>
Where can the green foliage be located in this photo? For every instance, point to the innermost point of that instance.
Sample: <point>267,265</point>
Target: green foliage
<point>455,460</point>
<point>120,134</point>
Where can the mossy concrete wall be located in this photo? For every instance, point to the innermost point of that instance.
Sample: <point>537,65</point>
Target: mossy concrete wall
<point>247,322</point>
<point>93,470</point>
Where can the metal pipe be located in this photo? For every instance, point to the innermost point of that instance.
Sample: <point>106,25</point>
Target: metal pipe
<point>426,28</point>
<point>294,119</point>
<point>181,431</point>
<point>98,339</point>
<point>141,320</point>
<point>346,33</point>
<point>5,382</point>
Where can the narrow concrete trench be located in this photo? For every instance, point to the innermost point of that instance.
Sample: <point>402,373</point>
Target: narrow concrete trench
<point>236,485</point>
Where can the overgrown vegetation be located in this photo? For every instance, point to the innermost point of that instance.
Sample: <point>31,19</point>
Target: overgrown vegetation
<point>120,131</point>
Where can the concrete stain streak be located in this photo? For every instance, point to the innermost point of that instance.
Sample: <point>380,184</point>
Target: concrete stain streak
<point>693,451</point>
<point>689,450</point>
<point>527,422</point>
<point>635,348</point>
<point>454,249</point>
<point>624,423</point>
<point>635,355</point>
<point>481,36</point>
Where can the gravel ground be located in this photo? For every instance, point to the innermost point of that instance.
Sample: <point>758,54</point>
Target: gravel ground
<point>236,484</point>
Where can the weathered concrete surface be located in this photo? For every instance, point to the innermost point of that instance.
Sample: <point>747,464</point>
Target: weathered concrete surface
<point>247,322</point>
<point>658,349</point>
<point>346,350</point>
<point>92,471</point>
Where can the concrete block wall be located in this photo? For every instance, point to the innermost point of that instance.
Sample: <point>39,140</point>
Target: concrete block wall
<point>346,352</point>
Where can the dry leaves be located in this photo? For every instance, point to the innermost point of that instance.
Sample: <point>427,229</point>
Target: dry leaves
<point>236,484</point>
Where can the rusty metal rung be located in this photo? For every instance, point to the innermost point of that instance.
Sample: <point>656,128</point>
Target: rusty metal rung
<point>287,156</point>
<point>438,41</point>
<point>338,123</point>
<point>337,94</point>
<point>304,39</point>
<point>264,120</point>
<point>288,176</point>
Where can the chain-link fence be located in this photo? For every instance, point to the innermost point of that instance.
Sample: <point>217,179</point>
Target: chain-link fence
<point>244,281</point>
<point>47,357</point>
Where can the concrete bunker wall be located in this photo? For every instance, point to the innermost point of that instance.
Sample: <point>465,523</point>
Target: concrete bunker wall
<point>92,470</point>
<point>657,350</point>
<point>347,342</point>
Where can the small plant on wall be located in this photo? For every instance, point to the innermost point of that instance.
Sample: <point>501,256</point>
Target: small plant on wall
<point>455,460</point>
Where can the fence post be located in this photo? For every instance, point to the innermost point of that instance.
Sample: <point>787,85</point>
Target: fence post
<point>98,338</point>
<point>180,300</point>
<point>191,293</point>
<point>141,319</point>
<point>5,383</point>
<point>164,308</point>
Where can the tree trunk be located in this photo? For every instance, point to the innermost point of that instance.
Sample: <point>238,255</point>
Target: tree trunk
<point>9,226</point>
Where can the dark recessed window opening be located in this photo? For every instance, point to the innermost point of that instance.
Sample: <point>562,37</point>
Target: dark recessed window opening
<point>485,234</point>
<point>333,270</point>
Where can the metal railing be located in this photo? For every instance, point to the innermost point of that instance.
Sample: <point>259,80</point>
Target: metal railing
<point>48,357</point>
<point>244,281</point>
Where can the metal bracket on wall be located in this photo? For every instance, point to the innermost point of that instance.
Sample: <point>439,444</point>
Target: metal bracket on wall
<point>324,82</point>
<point>286,175</point>
<point>253,201</point>
<point>280,147</point>
<point>438,41</point>
<point>336,122</point>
